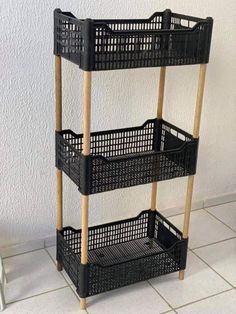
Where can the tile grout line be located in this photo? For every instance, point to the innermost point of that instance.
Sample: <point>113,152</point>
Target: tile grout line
<point>161,296</point>
<point>219,220</point>
<point>48,246</point>
<point>56,265</point>
<point>42,248</point>
<point>213,243</point>
<point>218,204</point>
<point>76,295</point>
<point>212,269</point>
<point>202,299</point>
<point>69,284</point>
<point>169,311</point>
<point>173,215</point>
<point>36,295</point>
<point>203,207</point>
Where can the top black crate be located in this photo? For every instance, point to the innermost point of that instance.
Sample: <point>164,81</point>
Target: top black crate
<point>165,39</point>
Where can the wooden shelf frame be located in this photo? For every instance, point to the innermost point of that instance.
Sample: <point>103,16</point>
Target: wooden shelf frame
<point>86,151</point>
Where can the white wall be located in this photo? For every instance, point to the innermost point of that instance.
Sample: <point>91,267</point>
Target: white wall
<point>120,99</point>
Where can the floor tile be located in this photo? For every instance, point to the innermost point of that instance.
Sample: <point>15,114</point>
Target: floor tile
<point>137,298</point>
<point>226,213</point>
<point>52,251</point>
<point>204,228</point>
<point>222,258</point>
<point>31,274</point>
<point>61,301</point>
<point>224,303</point>
<point>200,282</point>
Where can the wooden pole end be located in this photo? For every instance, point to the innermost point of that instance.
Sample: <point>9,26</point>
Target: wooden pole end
<point>59,266</point>
<point>83,304</point>
<point>181,275</point>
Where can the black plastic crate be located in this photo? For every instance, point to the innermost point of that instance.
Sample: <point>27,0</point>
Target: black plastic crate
<point>122,253</point>
<point>165,39</point>
<point>121,158</point>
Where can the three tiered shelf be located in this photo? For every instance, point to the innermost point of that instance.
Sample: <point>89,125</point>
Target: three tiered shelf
<point>109,256</point>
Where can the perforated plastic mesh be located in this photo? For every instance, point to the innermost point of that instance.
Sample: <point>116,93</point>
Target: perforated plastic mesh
<point>122,158</point>
<point>68,37</point>
<point>164,39</point>
<point>121,253</point>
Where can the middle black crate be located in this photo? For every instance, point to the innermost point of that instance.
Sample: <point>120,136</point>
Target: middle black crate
<point>120,158</point>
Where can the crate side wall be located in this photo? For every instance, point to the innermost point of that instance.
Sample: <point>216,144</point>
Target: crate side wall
<point>127,157</point>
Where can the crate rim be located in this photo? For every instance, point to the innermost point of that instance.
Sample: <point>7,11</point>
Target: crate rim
<point>140,127</point>
<point>156,32</point>
<point>135,156</point>
<point>103,22</point>
<point>125,220</point>
<point>130,157</point>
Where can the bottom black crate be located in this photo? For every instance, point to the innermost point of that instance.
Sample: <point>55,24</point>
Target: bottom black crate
<point>122,252</point>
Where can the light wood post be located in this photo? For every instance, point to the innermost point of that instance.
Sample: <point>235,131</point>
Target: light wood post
<point>159,116</point>
<point>58,92</point>
<point>196,129</point>
<point>86,151</point>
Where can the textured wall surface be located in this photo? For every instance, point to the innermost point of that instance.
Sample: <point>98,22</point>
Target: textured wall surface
<point>119,99</point>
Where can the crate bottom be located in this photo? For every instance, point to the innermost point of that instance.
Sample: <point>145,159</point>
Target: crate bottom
<point>134,59</point>
<point>123,252</point>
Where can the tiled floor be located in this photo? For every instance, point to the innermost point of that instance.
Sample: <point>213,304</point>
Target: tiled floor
<point>34,285</point>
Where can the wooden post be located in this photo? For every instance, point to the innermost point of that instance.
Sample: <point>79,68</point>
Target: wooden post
<point>58,91</point>
<point>196,129</point>
<point>85,151</point>
<point>159,116</point>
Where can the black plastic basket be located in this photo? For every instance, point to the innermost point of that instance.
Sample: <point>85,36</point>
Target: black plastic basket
<point>165,39</point>
<point>122,253</point>
<point>121,158</point>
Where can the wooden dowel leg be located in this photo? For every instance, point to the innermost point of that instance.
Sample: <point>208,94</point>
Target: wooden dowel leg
<point>199,101</point>
<point>58,92</point>
<point>86,151</point>
<point>187,211</point>
<point>160,101</point>
<point>154,196</point>
<point>196,129</point>
<point>82,303</point>
<point>161,91</point>
<point>181,275</point>
<point>188,205</point>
